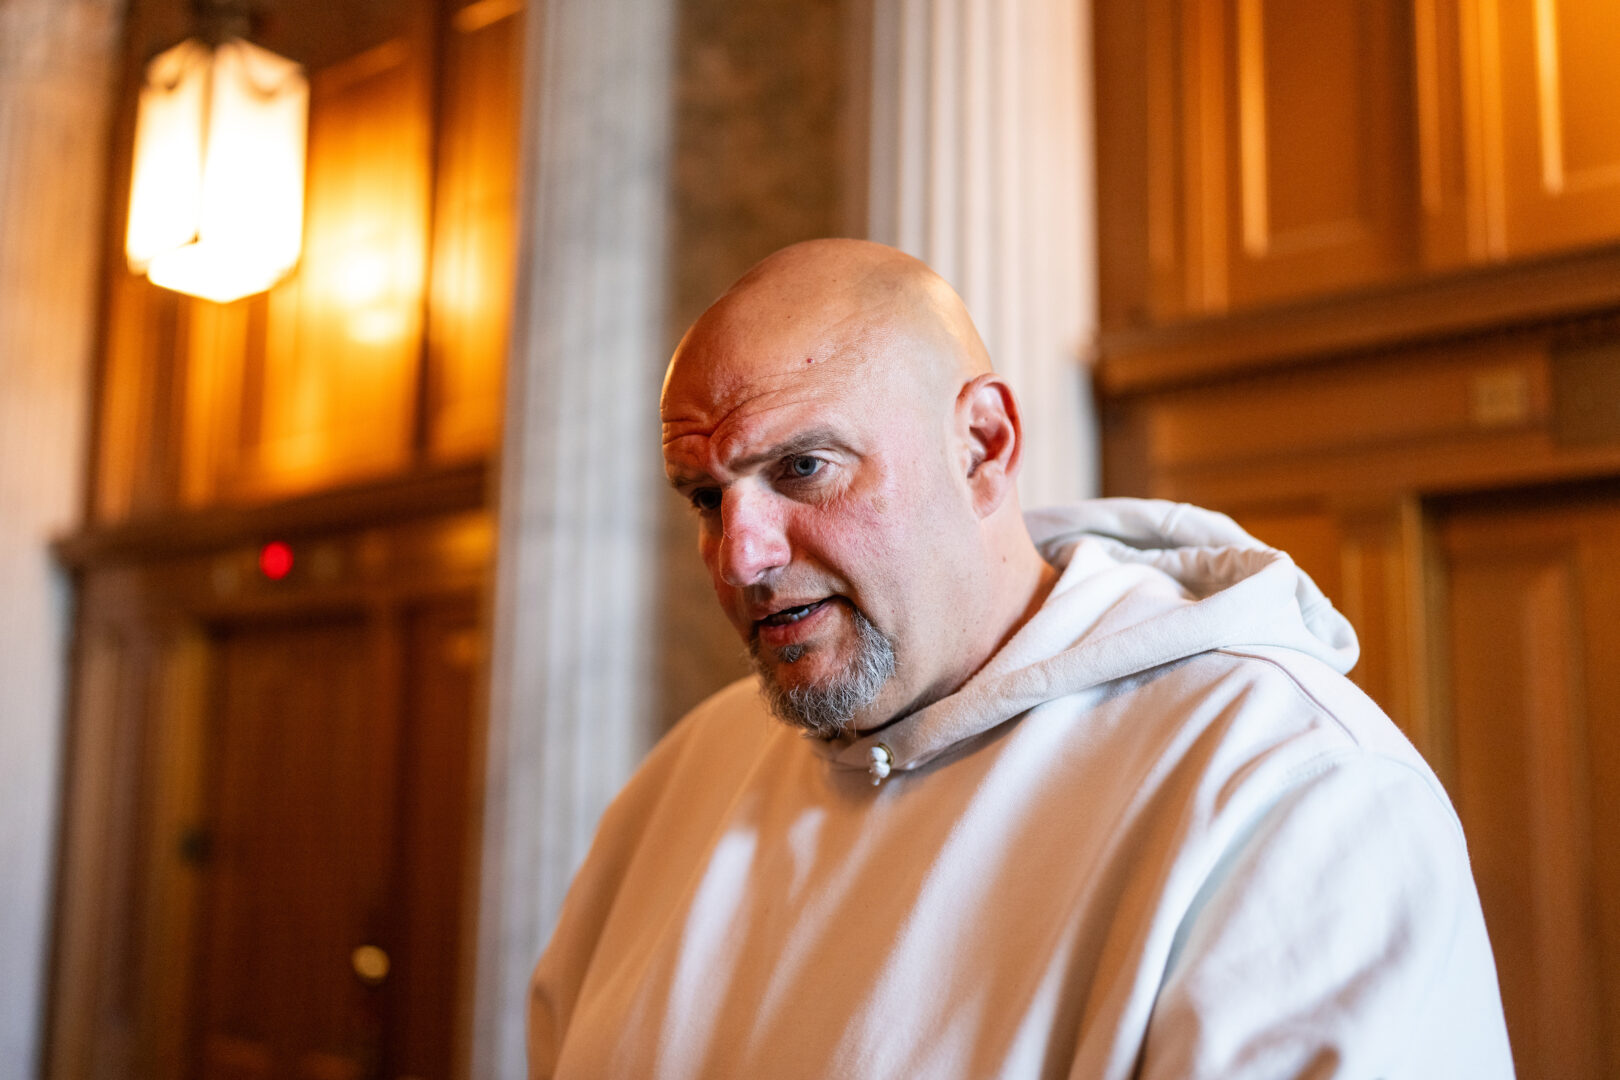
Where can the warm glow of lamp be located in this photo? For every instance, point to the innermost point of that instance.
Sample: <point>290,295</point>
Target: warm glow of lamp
<point>216,206</point>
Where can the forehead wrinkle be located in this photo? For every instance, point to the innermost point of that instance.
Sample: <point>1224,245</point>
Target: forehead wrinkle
<point>724,445</point>
<point>729,388</point>
<point>732,436</point>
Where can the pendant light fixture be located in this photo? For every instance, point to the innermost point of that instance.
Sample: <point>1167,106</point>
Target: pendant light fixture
<point>216,206</point>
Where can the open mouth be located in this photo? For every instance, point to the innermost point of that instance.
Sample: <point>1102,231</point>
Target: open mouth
<point>793,614</point>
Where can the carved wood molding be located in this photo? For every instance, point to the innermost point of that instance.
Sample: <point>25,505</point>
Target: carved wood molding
<point>1424,310</point>
<point>441,490</point>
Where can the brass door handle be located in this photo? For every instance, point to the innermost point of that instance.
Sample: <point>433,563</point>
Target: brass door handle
<point>370,964</point>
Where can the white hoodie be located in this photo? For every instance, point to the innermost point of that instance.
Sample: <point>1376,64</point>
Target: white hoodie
<point>1157,835</point>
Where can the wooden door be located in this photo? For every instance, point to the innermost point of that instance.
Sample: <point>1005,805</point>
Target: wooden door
<point>334,851</point>
<point>1534,637</point>
<point>301,860</point>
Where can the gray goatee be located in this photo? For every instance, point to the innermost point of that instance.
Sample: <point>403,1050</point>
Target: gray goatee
<point>827,709</point>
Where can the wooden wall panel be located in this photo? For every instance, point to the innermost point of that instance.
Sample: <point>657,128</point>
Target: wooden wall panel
<point>265,775</point>
<point>383,352</point>
<point>443,696</point>
<point>475,228</point>
<point>1297,148</point>
<point>339,387</point>
<point>1264,151</point>
<point>1444,178</point>
<point>301,776</point>
<point>1551,135</point>
<point>138,406</point>
<point>1455,393</point>
<point>1535,723</point>
<point>169,900</point>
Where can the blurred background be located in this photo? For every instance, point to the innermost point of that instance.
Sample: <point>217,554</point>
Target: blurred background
<point>340,585</point>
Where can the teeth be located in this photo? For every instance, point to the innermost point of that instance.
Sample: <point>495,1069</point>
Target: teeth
<point>789,615</point>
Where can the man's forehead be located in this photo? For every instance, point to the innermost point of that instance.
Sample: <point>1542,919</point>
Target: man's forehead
<point>725,418</point>
<point>715,376</point>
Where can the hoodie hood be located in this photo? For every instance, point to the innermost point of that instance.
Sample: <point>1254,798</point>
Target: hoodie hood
<point>1142,583</point>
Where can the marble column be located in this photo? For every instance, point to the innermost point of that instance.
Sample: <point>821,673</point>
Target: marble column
<point>573,643</point>
<point>55,89</point>
<point>981,165</point>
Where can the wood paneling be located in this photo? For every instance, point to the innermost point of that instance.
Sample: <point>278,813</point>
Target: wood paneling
<point>475,228</point>
<point>1279,150</point>
<point>1479,301</point>
<point>302,778</point>
<point>1456,393</point>
<point>265,775</point>
<point>1256,152</point>
<point>1548,136</point>
<point>382,353</point>
<point>1318,149</point>
<point>337,397</point>
<point>443,653</point>
<point>1448,417</point>
<point>1537,735</point>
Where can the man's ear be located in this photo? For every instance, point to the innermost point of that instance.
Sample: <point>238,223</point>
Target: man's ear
<point>992,440</point>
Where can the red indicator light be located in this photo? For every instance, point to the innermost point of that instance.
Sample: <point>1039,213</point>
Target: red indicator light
<point>275,560</point>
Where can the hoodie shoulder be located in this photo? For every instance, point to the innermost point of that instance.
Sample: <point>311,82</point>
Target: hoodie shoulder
<point>1351,720</point>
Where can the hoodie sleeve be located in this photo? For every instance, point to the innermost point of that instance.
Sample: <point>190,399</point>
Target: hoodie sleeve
<point>1341,937</point>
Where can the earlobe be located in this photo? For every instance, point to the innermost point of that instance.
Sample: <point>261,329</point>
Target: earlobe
<point>987,417</point>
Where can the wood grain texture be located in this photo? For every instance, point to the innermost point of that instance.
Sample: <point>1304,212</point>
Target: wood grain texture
<point>343,342</point>
<point>474,229</point>
<point>219,849</point>
<point>1547,135</point>
<point>1530,626</point>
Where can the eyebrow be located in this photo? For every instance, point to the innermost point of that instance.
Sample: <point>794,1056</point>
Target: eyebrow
<point>798,444</point>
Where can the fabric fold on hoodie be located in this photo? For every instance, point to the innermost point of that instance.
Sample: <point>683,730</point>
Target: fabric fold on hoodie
<point>1143,583</point>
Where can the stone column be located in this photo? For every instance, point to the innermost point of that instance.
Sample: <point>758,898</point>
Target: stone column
<point>981,165</point>
<point>572,650</point>
<point>55,88</point>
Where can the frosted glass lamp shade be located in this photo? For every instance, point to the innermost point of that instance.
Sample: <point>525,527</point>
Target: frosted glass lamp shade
<point>216,205</point>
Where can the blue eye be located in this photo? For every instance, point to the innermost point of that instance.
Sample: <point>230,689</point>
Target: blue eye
<point>804,466</point>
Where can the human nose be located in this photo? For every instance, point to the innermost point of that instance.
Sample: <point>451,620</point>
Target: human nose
<point>752,542</point>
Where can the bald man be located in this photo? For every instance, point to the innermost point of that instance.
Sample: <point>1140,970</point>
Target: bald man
<point>1080,793</point>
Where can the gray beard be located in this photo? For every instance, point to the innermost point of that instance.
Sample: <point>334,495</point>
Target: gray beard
<point>827,710</point>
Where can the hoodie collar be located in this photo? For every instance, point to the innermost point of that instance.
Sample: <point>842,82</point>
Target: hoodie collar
<point>1143,583</point>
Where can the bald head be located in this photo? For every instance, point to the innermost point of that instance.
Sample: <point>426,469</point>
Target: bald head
<point>834,422</point>
<point>840,301</point>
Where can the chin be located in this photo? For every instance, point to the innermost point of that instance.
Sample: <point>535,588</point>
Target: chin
<point>819,689</point>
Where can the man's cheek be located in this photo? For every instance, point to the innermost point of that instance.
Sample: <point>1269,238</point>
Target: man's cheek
<point>731,603</point>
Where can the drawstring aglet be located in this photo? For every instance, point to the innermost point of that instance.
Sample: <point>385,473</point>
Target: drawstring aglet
<point>881,764</point>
